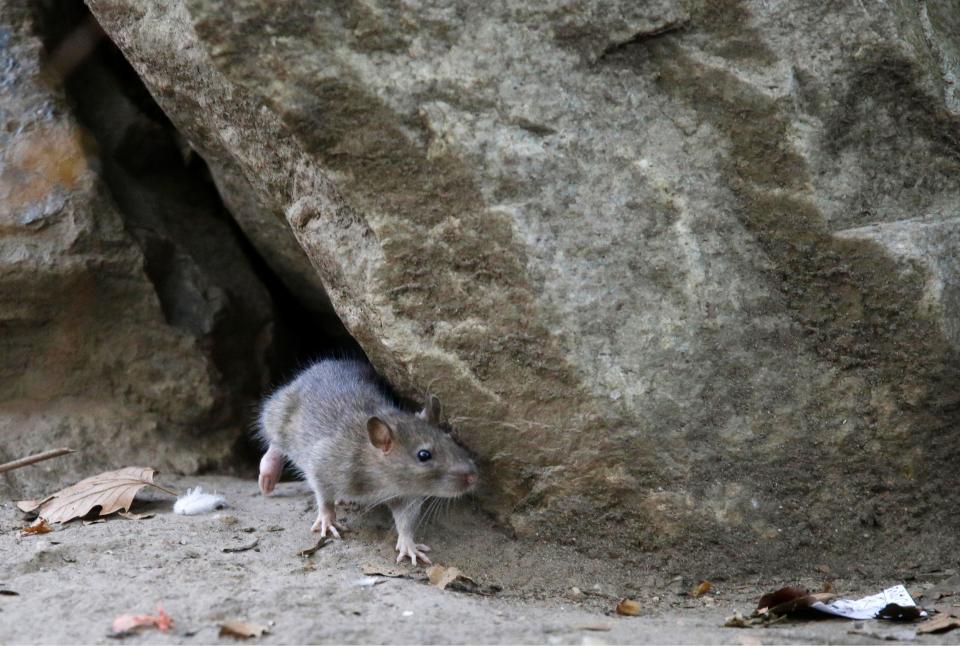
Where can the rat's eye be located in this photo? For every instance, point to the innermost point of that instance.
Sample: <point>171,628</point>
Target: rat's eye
<point>423,455</point>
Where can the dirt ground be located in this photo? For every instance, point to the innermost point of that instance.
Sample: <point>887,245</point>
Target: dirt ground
<point>71,583</point>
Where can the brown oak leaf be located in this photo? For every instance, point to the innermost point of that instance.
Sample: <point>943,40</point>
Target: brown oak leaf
<point>110,491</point>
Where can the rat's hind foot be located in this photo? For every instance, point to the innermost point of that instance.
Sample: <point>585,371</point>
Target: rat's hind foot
<point>327,522</point>
<point>411,550</point>
<point>271,465</point>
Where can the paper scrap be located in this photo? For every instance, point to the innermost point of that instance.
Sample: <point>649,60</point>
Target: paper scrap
<point>867,607</point>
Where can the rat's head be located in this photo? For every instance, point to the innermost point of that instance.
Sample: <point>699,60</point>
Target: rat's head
<point>419,458</point>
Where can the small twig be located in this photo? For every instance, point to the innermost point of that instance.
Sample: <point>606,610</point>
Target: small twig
<point>33,459</point>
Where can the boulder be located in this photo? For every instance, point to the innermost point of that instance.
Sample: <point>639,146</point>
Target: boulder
<point>682,273</point>
<point>133,327</point>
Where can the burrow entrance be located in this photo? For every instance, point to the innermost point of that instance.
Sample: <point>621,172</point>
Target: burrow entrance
<point>210,279</point>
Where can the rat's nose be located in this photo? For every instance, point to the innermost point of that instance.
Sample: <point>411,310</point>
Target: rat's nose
<point>468,479</point>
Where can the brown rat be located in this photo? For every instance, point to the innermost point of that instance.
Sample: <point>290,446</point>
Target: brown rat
<point>339,428</point>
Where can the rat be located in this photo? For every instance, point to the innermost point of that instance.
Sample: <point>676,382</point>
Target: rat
<point>351,442</point>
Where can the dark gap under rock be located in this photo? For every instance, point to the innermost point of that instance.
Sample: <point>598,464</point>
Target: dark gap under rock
<point>209,278</point>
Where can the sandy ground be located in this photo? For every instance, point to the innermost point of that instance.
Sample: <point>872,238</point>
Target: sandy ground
<point>71,583</point>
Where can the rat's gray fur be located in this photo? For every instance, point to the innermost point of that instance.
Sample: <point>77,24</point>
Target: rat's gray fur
<point>320,423</point>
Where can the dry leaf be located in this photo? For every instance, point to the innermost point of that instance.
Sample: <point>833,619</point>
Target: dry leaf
<point>310,551</point>
<point>628,607</point>
<point>453,579</point>
<point>939,624</point>
<point>39,526</point>
<point>95,521</point>
<point>241,629</point>
<point>243,548</point>
<point>701,589</point>
<point>129,515</point>
<point>764,618</point>
<point>31,505</point>
<point>127,623</point>
<point>737,620</point>
<point>781,597</point>
<point>110,491</point>
<point>387,571</point>
<point>787,601</point>
<point>442,576</point>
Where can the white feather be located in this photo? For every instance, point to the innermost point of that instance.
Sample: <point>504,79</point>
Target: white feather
<point>195,501</point>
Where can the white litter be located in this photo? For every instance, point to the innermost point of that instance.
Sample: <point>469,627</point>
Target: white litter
<point>868,607</point>
<point>195,501</point>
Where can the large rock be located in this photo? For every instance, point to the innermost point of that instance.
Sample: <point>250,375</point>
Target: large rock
<point>132,326</point>
<point>684,275</point>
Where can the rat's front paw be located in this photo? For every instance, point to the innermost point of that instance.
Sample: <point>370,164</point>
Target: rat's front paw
<point>327,523</point>
<point>409,549</point>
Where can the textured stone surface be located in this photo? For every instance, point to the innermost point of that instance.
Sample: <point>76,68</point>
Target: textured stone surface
<point>682,273</point>
<point>132,328</point>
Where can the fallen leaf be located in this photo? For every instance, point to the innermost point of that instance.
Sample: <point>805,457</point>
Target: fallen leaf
<point>241,629</point>
<point>243,548</point>
<point>110,491</point>
<point>938,624</point>
<point>737,620</point>
<point>451,577</point>
<point>628,607</point>
<point>387,571</point>
<point>442,576</point>
<point>95,521</point>
<point>39,526</point>
<point>128,623</point>
<point>310,551</point>
<point>129,515</point>
<point>896,612</point>
<point>701,589</point>
<point>31,505</point>
<point>781,597</point>
<point>789,600</point>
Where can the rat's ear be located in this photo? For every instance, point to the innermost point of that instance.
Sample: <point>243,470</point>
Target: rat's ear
<point>381,435</point>
<point>431,410</point>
